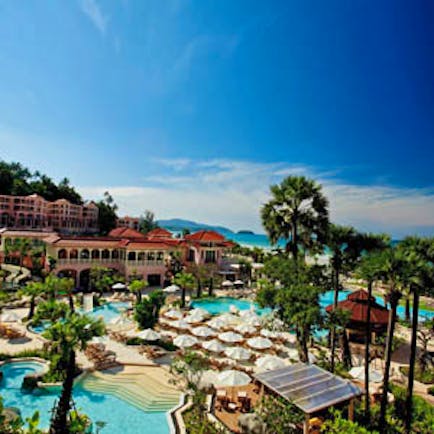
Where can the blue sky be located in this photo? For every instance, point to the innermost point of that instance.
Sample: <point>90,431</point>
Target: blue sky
<point>192,108</point>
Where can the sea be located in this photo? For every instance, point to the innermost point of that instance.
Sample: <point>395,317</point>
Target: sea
<point>254,240</point>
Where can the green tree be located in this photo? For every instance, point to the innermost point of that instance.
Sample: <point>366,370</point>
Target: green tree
<point>101,279</point>
<point>33,290</point>
<point>136,287</point>
<point>107,217</point>
<point>67,337</point>
<point>184,281</point>
<point>147,310</point>
<point>147,222</point>
<point>50,310</point>
<point>298,213</point>
<point>190,366</point>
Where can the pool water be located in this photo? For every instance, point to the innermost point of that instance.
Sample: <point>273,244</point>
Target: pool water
<point>119,416</point>
<point>220,305</point>
<point>107,312</point>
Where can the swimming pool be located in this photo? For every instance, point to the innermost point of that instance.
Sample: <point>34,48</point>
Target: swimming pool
<point>220,305</point>
<point>107,312</point>
<point>119,416</point>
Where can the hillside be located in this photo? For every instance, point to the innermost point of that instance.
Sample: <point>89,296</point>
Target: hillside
<point>176,224</point>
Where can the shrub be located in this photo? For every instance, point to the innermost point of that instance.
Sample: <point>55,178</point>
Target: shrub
<point>426,377</point>
<point>166,345</point>
<point>431,390</point>
<point>30,382</point>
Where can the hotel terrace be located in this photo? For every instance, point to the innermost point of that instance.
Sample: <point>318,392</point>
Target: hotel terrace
<point>33,212</point>
<point>125,250</point>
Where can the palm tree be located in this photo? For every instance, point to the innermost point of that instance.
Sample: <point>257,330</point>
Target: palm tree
<point>184,281</point>
<point>136,287</point>
<point>369,270</point>
<point>22,246</point>
<point>420,258</point>
<point>67,285</point>
<point>66,338</point>
<point>393,267</point>
<point>33,290</point>
<point>296,212</point>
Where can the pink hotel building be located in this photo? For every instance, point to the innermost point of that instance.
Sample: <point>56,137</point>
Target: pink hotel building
<point>33,212</point>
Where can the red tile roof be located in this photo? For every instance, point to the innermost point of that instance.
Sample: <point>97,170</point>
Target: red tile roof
<point>205,236</point>
<point>125,232</point>
<point>357,304</point>
<point>159,233</point>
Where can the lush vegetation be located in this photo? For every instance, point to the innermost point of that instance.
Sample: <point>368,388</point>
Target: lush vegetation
<point>147,310</point>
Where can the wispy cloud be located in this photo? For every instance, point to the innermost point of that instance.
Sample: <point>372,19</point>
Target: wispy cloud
<point>231,192</point>
<point>93,11</point>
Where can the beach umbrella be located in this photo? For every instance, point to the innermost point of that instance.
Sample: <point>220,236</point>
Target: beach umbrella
<point>293,354</point>
<point>239,282</point>
<point>185,341</point>
<point>252,320</point>
<point>245,329</point>
<point>259,343</point>
<point>215,346</point>
<point>268,363</point>
<point>358,373</point>
<point>230,337</point>
<point>99,340</point>
<point>119,285</point>
<point>233,309</point>
<point>171,289</point>
<point>232,378</point>
<point>180,324</point>
<point>121,323</point>
<point>269,334</point>
<point>229,318</point>
<point>203,332</point>
<point>9,317</point>
<point>217,323</point>
<point>227,283</point>
<point>148,335</point>
<point>199,311</point>
<point>173,314</point>
<point>238,353</point>
<point>195,318</point>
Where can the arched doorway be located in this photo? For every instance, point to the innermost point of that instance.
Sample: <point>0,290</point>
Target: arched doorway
<point>84,280</point>
<point>68,273</point>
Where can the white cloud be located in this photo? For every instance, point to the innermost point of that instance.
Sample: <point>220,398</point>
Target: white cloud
<point>93,11</point>
<point>231,192</point>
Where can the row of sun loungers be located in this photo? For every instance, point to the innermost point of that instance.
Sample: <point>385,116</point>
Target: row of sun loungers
<point>8,332</point>
<point>101,358</point>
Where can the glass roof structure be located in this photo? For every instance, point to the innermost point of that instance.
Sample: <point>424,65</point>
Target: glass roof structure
<point>309,387</point>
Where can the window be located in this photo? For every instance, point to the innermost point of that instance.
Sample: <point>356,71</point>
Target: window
<point>210,256</point>
<point>191,256</point>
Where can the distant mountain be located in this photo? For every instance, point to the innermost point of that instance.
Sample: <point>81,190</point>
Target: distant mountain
<point>181,224</point>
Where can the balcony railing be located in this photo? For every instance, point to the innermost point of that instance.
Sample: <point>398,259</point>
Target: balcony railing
<point>77,261</point>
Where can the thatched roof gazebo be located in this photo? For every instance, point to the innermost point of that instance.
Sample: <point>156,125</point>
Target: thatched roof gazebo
<point>357,304</point>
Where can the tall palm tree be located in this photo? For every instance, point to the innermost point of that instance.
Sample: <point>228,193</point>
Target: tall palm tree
<point>33,290</point>
<point>22,246</point>
<point>420,257</point>
<point>296,212</point>
<point>369,269</point>
<point>393,267</point>
<point>184,281</point>
<point>67,285</point>
<point>66,338</point>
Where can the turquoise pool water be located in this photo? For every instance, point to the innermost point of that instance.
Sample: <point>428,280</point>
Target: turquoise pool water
<point>107,312</point>
<point>119,416</point>
<point>219,305</point>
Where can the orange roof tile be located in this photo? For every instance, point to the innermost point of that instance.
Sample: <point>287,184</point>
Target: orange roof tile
<point>159,233</point>
<point>205,236</point>
<point>125,232</point>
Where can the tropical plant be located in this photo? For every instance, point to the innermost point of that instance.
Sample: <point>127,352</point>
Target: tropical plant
<point>136,287</point>
<point>298,213</point>
<point>33,290</point>
<point>50,310</point>
<point>66,337</point>
<point>107,217</point>
<point>190,366</point>
<point>184,281</point>
<point>101,279</point>
<point>147,222</point>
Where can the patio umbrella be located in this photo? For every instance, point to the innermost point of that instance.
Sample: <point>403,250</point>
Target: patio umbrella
<point>245,329</point>
<point>180,324</point>
<point>252,319</point>
<point>9,317</point>
<point>268,363</point>
<point>238,353</point>
<point>239,282</point>
<point>173,314</point>
<point>229,318</point>
<point>246,312</point>
<point>259,343</point>
<point>199,311</point>
<point>148,335</point>
<point>233,309</point>
<point>203,332</point>
<point>171,289</point>
<point>227,283</point>
<point>217,323</point>
<point>230,337</point>
<point>358,373</point>
<point>119,285</point>
<point>232,378</point>
<point>293,354</point>
<point>185,341</point>
<point>99,340</point>
<point>269,334</point>
<point>194,318</point>
<point>215,346</point>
